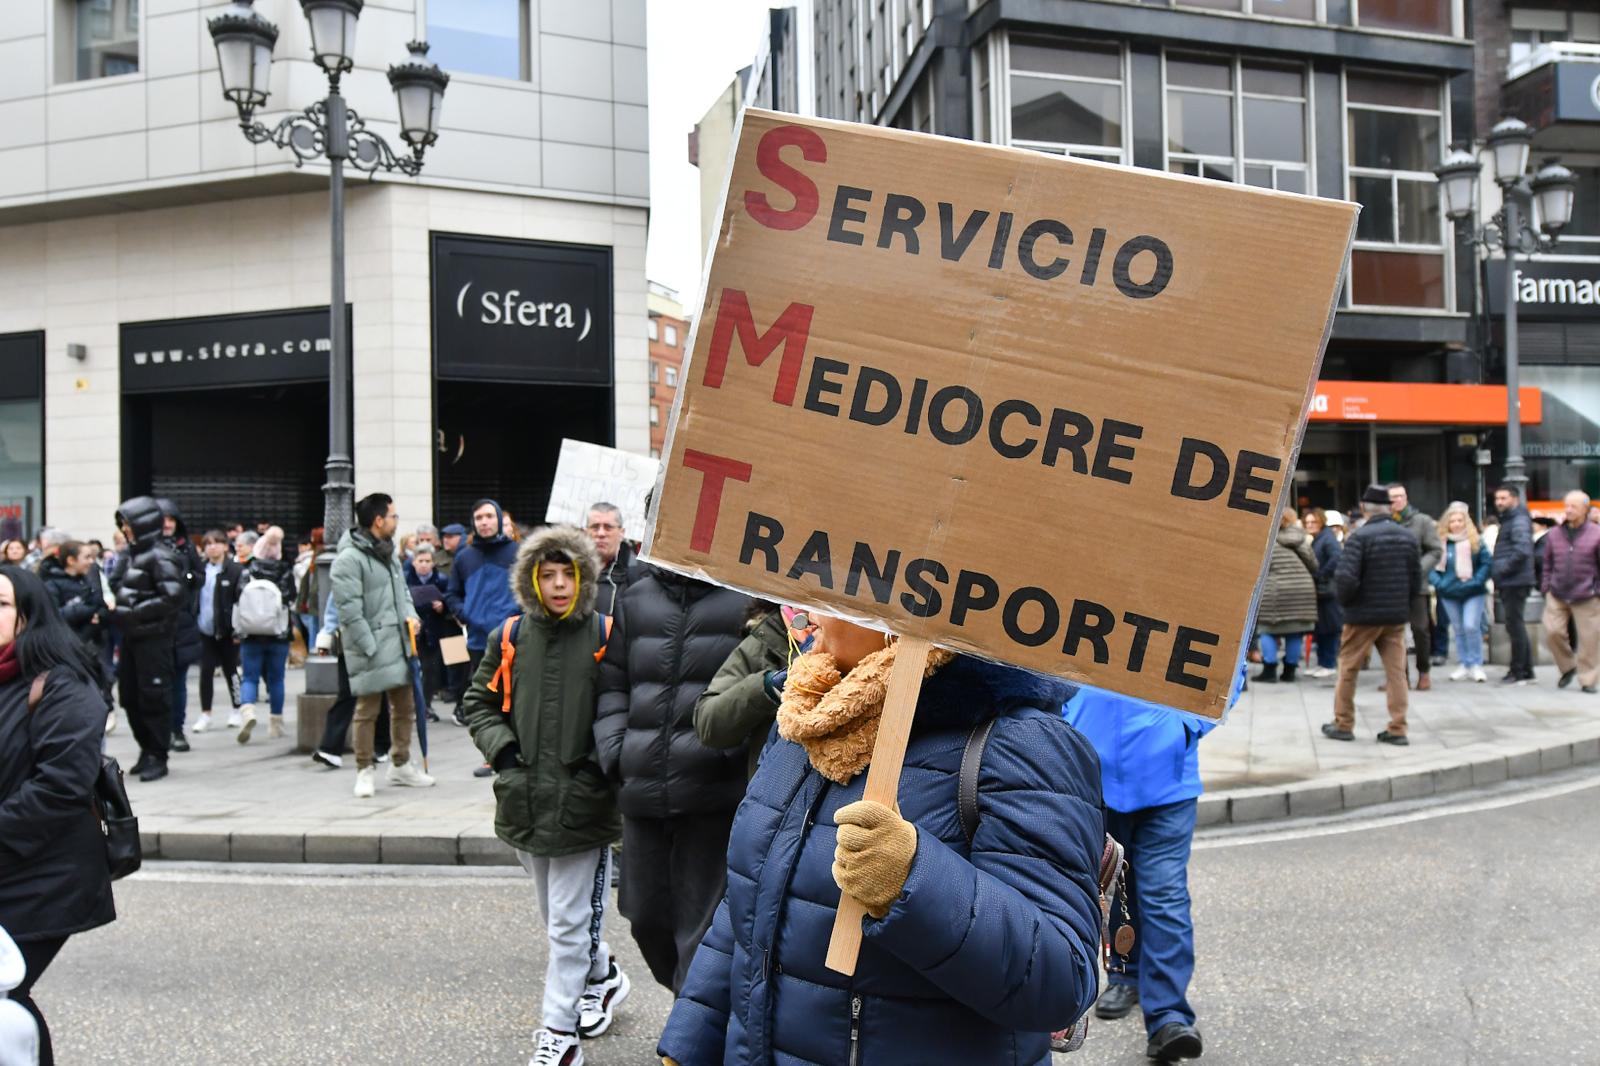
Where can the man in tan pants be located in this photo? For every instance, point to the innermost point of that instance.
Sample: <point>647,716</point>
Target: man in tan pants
<point>1571,587</point>
<point>1379,574</point>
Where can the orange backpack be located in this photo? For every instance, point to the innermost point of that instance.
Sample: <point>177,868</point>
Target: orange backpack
<point>508,655</point>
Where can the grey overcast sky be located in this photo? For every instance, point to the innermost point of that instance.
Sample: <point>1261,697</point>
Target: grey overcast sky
<point>695,49</point>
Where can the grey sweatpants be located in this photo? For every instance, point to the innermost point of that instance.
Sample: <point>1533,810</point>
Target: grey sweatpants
<point>572,899</point>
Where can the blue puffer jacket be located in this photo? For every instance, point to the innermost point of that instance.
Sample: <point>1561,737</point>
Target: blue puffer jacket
<point>988,948</point>
<point>1451,587</point>
<point>1149,754</point>
<point>480,583</point>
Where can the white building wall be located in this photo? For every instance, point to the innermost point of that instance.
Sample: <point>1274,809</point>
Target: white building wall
<point>561,156</point>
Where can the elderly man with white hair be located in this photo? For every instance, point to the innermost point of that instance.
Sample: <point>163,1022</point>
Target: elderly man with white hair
<point>1571,587</point>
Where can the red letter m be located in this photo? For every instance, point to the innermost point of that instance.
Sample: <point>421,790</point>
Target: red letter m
<point>790,330</point>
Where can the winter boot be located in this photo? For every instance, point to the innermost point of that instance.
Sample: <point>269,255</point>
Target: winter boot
<point>1268,674</point>
<point>1288,671</point>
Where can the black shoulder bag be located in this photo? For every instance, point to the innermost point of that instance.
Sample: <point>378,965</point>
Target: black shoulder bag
<point>1113,874</point>
<point>110,804</point>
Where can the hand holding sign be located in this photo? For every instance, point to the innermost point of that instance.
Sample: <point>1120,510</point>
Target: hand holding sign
<point>1000,368</point>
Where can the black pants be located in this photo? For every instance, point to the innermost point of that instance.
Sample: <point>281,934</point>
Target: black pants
<point>144,685</point>
<point>336,733</point>
<point>37,955</point>
<point>217,655</point>
<point>674,871</point>
<point>1513,600</point>
<point>465,672</point>
<point>1422,633</point>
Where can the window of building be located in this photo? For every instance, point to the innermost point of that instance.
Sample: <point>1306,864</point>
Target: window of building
<point>655,329</point>
<point>1395,129</point>
<point>480,37</point>
<point>103,36</point>
<point>655,415</point>
<point>1532,27</point>
<point>672,376</point>
<point>1212,100</point>
<point>1585,224</point>
<point>1305,10</point>
<point>982,125</point>
<point>1066,97</point>
<point>671,336</point>
<point>655,371</point>
<point>1415,16</point>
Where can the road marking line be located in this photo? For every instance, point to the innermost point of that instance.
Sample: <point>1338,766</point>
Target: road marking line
<point>1508,794</point>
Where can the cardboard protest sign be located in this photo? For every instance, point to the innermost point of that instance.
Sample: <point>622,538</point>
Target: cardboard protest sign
<point>1037,409</point>
<point>592,473</point>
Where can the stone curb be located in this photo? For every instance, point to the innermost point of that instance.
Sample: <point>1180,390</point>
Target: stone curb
<point>1330,795</point>
<point>1239,806</point>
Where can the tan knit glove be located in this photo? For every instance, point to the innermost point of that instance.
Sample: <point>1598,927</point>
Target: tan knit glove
<point>874,853</point>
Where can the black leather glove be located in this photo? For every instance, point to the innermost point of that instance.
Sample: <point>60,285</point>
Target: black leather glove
<point>507,759</point>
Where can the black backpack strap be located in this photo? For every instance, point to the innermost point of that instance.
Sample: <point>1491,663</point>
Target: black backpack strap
<point>967,782</point>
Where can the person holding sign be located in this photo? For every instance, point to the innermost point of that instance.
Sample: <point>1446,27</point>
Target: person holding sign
<point>980,939</point>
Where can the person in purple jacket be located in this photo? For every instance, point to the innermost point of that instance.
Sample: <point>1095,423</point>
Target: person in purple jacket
<point>1570,581</point>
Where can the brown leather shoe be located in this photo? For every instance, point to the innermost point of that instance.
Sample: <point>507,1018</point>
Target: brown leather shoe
<point>1424,682</point>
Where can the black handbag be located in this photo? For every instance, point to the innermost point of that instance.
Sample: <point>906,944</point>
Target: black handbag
<point>124,854</point>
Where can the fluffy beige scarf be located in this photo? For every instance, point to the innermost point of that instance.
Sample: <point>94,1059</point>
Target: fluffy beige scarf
<point>834,716</point>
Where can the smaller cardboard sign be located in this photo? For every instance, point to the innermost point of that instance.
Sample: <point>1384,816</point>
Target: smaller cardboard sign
<point>454,650</point>
<point>587,474</point>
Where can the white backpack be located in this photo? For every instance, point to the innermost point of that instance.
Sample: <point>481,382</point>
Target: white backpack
<point>260,610</point>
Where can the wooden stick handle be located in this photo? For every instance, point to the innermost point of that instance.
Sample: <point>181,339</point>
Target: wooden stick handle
<point>883,782</point>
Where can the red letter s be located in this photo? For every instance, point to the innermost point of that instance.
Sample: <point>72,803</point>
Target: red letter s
<point>786,177</point>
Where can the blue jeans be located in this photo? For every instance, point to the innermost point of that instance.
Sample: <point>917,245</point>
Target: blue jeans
<point>180,697</point>
<point>260,658</point>
<point>1466,619</point>
<point>313,627</point>
<point>1161,962</point>
<point>1269,650</point>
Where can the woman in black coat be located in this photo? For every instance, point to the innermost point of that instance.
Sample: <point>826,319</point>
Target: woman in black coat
<point>53,875</point>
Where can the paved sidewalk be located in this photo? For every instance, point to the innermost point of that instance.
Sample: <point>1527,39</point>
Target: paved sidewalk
<point>260,802</point>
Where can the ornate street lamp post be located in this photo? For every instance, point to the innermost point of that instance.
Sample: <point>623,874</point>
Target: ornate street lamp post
<point>1511,231</point>
<point>330,130</point>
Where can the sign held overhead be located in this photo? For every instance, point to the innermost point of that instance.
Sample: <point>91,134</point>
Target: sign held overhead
<point>1036,409</point>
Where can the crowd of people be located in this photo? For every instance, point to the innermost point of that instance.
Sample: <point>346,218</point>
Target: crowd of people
<point>721,740</point>
<point>1340,593</point>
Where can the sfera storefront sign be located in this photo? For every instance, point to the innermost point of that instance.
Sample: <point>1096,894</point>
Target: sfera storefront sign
<point>1548,289</point>
<point>222,351</point>
<point>526,311</point>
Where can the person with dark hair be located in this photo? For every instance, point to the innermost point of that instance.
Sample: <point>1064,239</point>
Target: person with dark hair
<point>186,647</point>
<point>13,551</point>
<point>1514,579</point>
<point>671,635</point>
<point>376,627</point>
<point>220,582</point>
<point>480,586</point>
<point>54,879</point>
<point>151,593</point>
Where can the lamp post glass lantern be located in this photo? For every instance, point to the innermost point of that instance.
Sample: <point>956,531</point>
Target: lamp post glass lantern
<point>1547,196</point>
<point>330,130</point>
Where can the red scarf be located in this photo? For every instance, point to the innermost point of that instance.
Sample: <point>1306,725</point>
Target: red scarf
<point>10,668</point>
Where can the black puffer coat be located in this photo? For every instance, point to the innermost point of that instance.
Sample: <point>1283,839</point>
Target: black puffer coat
<point>189,648</point>
<point>669,639</point>
<point>1514,550</point>
<point>1379,572</point>
<point>153,588</point>
<point>53,875</point>
<point>78,602</point>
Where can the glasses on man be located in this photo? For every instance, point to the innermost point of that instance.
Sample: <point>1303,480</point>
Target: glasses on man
<point>603,527</point>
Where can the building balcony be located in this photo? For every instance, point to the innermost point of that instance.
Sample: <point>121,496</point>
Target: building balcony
<point>1555,88</point>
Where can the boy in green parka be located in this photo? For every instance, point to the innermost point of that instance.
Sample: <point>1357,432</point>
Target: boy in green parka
<point>530,708</point>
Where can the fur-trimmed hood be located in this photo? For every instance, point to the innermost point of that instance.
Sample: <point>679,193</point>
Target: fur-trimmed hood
<point>576,545</point>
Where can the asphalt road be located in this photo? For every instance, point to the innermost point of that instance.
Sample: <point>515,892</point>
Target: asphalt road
<point>1460,933</point>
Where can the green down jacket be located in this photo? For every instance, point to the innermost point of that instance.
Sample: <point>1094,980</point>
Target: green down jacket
<point>553,800</point>
<point>735,708</point>
<point>370,592</point>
